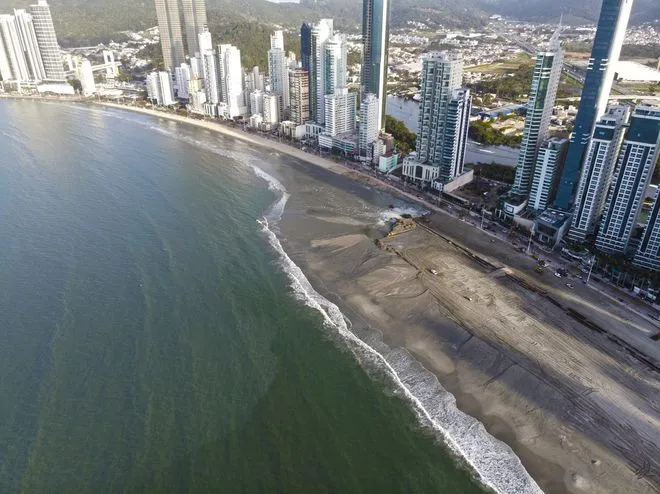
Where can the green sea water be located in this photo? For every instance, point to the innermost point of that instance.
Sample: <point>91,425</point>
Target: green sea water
<point>149,339</point>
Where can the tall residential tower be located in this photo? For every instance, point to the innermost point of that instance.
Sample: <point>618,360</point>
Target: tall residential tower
<point>599,164</point>
<point>194,20</point>
<point>171,37</point>
<point>375,38</point>
<point>637,161</point>
<point>610,33</point>
<point>545,81</point>
<point>47,39</point>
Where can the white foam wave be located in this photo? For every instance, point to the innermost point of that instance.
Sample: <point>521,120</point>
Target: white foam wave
<point>387,215</point>
<point>492,461</point>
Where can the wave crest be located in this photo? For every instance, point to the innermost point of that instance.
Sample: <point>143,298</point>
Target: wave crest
<point>493,462</point>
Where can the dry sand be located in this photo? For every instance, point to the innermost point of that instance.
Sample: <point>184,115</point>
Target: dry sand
<point>579,410</point>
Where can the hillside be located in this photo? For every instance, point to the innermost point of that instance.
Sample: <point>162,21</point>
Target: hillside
<point>91,21</point>
<point>573,12</point>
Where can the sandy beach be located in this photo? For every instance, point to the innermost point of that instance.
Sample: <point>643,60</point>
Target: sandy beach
<point>538,364</point>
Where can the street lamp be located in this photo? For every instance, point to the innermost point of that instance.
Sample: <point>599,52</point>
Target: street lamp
<point>591,266</point>
<point>531,236</point>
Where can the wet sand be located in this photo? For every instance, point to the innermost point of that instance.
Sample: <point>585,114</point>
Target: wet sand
<point>578,409</point>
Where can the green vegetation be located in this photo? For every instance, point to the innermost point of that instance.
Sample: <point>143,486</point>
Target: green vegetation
<point>483,132</point>
<point>404,138</point>
<point>494,171</point>
<point>509,87</point>
<point>502,67</point>
<point>646,51</point>
<point>252,39</point>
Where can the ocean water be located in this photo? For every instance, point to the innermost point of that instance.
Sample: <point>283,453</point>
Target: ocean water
<point>154,335</point>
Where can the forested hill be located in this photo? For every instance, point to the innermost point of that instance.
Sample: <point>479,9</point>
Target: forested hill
<point>91,21</point>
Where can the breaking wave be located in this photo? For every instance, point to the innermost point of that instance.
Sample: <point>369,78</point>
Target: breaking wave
<point>494,463</point>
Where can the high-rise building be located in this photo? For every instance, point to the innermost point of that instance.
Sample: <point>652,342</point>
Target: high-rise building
<point>306,46</point>
<point>18,69</point>
<point>159,88</point>
<point>340,110</point>
<point>299,96</point>
<point>6,73</point>
<point>547,170</point>
<point>257,102</point>
<point>597,171</point>
<point>171,37</point>
<point>335,72</point>
<point>321,32</point>
<point>648,252</point>
<point>369,125</point>
<point>195,22</point>
<point>278,69</point>
<point>47,40</point>
<point>444,113</point>
<point>182,78</point>
<point>545,81</point>
<point>637,161</point>
<point>30,45</point>
<point>271,109</point>
<point>375,39</point>
<point>610,32</point>
<point>255,80</point>
<point>14,38</point>
<point>204,41</point>
<point>211,77</point>
<point>441,76</point>
<point>231,80</point>
<point>87,78</point>
<point>457,125</point>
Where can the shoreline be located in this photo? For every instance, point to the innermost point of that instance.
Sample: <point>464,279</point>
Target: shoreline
<point>524,482</point>
<point>483,415</point>
<point>509,412</point>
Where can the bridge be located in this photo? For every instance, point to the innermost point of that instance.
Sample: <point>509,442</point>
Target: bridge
<point>110,66</point>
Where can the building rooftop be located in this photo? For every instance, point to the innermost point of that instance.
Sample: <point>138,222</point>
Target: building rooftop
<point>553,217</point>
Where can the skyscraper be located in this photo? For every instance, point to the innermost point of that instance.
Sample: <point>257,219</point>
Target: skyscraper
<point>17,66</point>
<point>30,45</point>
<point>457,125</point>
<point>231,80</point>
<point>47,40</point>
<point>335,75</point>
<point>182,78</point>
<point>441,76</point>
<point>340,108</point>
<point>637,162</point>
<point>648,252</point>
<point>299,95</point>
<point>321,32</point>
<point>6,73</point>
<point>444,113</point>
<point>306,46</point>
<point>545,81</point>
<point>600,160</point>
<point>171,38</point>
<point>547,169</point>
<point>194,19</point>
<point>369,125</point>
<point>271,103</point>
<point>86,76</point>
<point>278,70</point>
<point>610,33</point>
<point>375,38</point>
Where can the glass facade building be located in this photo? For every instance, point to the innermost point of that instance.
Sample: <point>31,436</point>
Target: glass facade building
<point>375,39</point>
<point>610,32</point>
